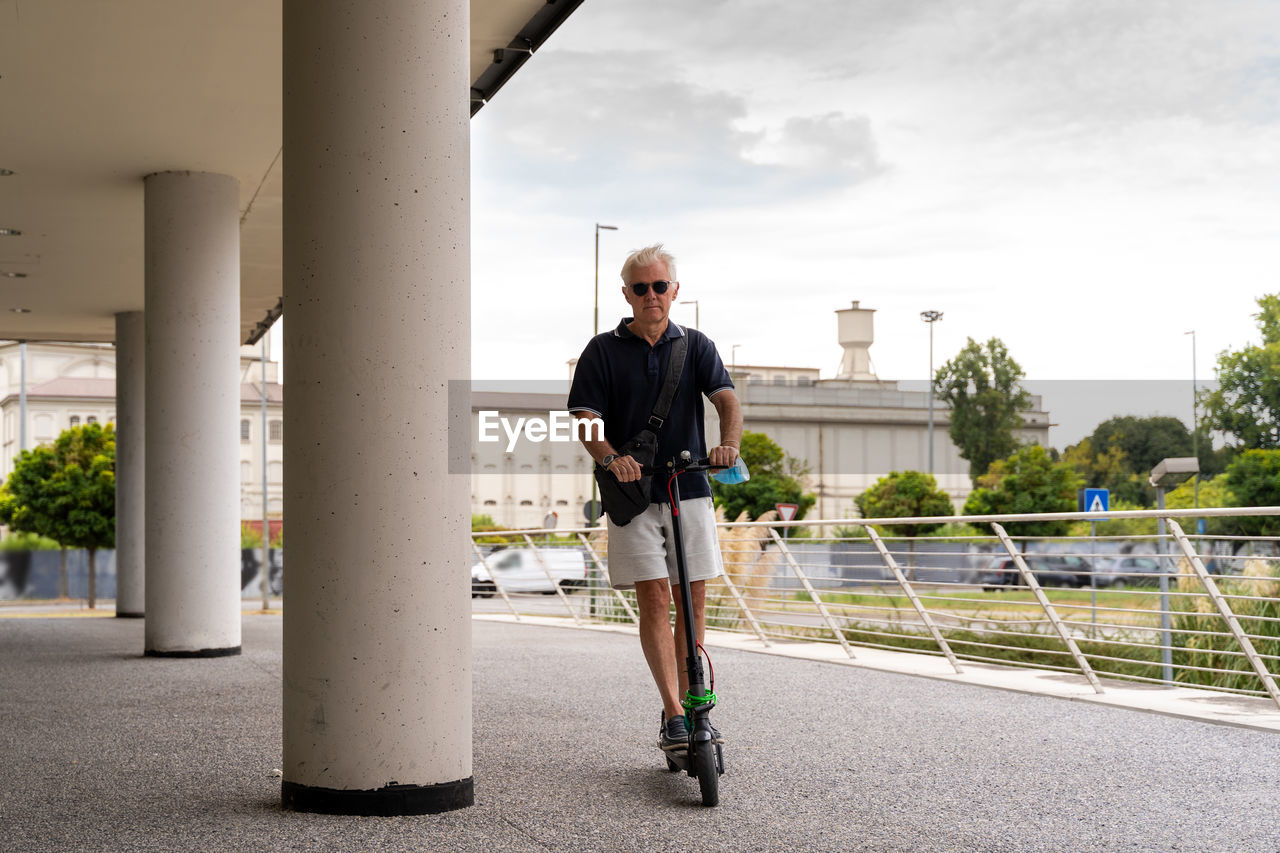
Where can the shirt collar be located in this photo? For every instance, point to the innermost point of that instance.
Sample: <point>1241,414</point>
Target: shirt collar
<point>673,331</point>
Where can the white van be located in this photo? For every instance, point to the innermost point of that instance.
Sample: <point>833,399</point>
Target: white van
<point>518,570</point>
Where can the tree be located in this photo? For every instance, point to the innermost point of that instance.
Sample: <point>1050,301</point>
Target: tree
<point>1254,480</point>
<point>84,486</point>
<point>1121,452</point>
<point>776,477</point>
<point>1212,493</point>
<point>1028,481</point>
<point>68,492</point>
<point>981,386</point>
<point>1246,403</point>
<point>26,505</point>
<point>906,494</point>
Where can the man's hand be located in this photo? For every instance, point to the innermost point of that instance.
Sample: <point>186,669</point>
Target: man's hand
<point>625,468</point>
<point>723,456</point>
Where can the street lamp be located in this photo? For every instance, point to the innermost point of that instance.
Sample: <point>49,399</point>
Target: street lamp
<point>733,359</point>
<point>1195,427</point>
<point>697,324</point>
<point>595,328</point>
<point>931,317</point>
<point>1168,472</point>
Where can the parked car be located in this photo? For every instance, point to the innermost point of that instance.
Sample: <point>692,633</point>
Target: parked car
<point>1130,571</point>
<point>519,570</point>
<point>1049,570</point>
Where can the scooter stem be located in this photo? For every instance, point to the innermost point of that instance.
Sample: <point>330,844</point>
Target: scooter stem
<point>693,663</point>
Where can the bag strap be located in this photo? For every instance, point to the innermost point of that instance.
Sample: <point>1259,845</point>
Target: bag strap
<point>679,349</point>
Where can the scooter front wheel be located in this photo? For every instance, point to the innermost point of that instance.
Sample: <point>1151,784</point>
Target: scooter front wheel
<point>704,765</point>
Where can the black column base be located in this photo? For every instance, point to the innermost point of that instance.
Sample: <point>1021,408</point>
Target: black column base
<point>195,653</point>
<point>385,802</point>
<point>122,615</point>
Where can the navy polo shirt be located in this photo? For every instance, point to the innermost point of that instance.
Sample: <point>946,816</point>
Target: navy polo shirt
<point>618,379</point>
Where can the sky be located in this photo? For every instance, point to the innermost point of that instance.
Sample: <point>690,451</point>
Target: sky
<point>1086,180</point>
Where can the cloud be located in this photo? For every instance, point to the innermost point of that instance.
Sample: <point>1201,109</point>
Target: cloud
<point>1037,169</point>
<point>839,146</point>
<point>639,131</point>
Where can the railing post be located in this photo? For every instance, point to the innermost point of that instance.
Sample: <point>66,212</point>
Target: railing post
<point>822,608</point>
<point>911,594</point>
<point>484,561</point>
<point>1224,607</point>
<point>546,570</point>
<point>604,572</point>
<point>1031,581</point>
<point>742,605</point>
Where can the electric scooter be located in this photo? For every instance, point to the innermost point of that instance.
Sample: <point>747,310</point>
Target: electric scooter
<point>704,758</point>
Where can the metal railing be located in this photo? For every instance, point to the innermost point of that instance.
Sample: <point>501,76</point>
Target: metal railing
<point>1181,609</point>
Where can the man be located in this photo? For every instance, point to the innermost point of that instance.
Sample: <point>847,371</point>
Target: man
<point>618,379</point>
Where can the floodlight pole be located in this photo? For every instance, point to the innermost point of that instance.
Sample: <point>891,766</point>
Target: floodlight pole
<point>595,330</point>
<point>22,397</point>
<point>1195,429</point>
<point>931,317</point>
<point>697,312</point>
<point>266,518</point>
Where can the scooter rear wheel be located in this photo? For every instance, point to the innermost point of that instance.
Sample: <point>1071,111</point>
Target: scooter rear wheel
<point>704,765</point>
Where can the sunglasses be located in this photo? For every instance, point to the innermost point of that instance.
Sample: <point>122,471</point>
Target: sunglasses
<point>640,288</point>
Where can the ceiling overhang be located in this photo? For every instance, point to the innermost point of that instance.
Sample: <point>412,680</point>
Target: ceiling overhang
<point>97,95</point>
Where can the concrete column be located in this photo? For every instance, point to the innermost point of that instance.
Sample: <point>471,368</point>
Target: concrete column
<point>377,633</point>
<point>192,414</point>
<point>130,461</point>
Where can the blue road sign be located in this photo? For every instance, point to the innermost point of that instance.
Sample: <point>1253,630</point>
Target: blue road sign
<point>1095,500</point>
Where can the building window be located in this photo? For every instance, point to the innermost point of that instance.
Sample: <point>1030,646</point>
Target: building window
<point>275,429</point>
<point>91,420</point>
<point>491,502</point>
<point>75,420</point>
<point>244,430</point>
<point>526,503</point>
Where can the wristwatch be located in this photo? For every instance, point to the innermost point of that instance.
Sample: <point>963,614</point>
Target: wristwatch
<point>608,460</point>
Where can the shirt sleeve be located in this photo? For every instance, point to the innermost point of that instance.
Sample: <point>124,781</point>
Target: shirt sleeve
<point>711,373</point>
<point>588,391</point>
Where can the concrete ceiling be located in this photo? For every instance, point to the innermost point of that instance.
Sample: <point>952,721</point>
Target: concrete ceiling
<point>96,95</point>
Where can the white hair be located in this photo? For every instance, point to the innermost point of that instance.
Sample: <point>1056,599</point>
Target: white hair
<point>648,255</point>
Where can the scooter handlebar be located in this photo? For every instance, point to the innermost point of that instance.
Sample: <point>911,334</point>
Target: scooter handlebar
<point>679,466</point>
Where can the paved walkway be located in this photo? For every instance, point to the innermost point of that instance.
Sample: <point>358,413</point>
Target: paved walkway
<point>1205,705</point>
<point>104,749</point>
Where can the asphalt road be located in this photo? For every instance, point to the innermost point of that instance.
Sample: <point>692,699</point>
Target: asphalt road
<point>106,750</point>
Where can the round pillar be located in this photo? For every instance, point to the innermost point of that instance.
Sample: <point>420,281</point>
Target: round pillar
<point>130,460</point>
<point>377,633</point>
<point>192,411</point>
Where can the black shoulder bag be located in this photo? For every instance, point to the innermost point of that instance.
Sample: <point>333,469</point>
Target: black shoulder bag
<point>624,501</point>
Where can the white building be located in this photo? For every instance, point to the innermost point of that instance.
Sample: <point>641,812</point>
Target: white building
<point>850,430</point>
<point>68,384</point>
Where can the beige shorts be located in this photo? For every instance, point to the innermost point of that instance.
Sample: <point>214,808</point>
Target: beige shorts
<point>644,550</point>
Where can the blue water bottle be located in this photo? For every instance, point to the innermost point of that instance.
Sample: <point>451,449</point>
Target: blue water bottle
<point>732,476</point>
